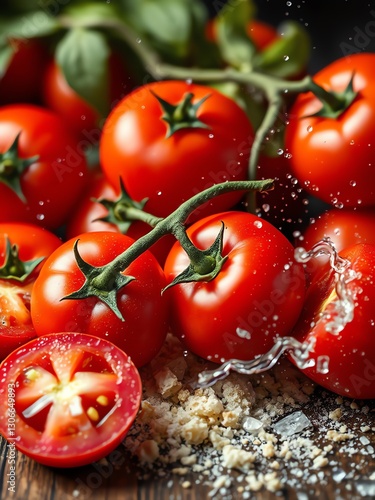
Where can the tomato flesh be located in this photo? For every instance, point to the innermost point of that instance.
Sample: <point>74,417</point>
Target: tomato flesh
<point>75,398</point>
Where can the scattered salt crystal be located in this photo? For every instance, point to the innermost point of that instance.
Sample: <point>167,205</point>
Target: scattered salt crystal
<point>365,487</point>
<point>364,440</point>
<point>251,424</point>
<point>292,424</point>
<point>339,475</point>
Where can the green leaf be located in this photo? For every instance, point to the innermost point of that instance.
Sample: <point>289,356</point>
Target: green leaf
<point>82,55</point>
<point>231,23</point>
<point>6,54</point>
<point>91,13</point>
<point>287,56</point>
<point>33,25</point>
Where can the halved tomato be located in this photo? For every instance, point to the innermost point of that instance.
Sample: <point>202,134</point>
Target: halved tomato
<point>70,398</point>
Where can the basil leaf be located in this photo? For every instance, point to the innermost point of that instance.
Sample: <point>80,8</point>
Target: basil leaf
<point>231,24</point>
<point>287,56</point>
<point>82,55</point>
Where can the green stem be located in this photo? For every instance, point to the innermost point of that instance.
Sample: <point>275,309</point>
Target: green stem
<point>173,222</point>
<point>134,214</point>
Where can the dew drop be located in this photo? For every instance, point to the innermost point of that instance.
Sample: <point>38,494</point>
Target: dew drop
<point>266,207</point>
<point>211,136</point>
<point>258,224</point>
<point>353,183</point>
<point>286,58</point>
<point>40,216</point>
<point>309,128</point>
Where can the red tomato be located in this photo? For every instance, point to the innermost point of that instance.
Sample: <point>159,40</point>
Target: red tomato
<point>86,215</point>
<point>344,360</point>
<point>344,227</point>
<point>54,177</point>
<point>71,398</point>
<point>333,158</point>
<point>78,113</point>
<point>169,170</point>
<point>21,81</point>
<point>143,307</point>
<point>31,243</point>
<point>257,295</point>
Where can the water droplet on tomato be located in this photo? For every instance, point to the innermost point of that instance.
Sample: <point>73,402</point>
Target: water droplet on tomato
<point>353,183</point>
<point>286,58</point>
<point>40,216</point>
<point>309,128</point>
<point>258,224</point>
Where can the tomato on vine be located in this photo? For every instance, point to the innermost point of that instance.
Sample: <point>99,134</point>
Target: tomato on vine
<point>330,142</point>
<point>141,323</point>
<point>169,140</point>
<point>256,296</point>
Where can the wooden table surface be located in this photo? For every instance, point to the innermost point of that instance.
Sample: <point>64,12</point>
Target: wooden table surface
<point>104,481</point>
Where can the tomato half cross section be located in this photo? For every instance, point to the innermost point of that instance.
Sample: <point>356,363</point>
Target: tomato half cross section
<point>71,397</point>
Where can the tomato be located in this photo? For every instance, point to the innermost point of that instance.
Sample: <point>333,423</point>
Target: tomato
<point>21,244</point>
<point>47,165</point>
<point>344,357</point>
<point>257,295</point>
<point>90,210</point>
<point>144,309</point>
<point>76,111</point>
<point>170,170</point>
<point>333,158</point>
<point>21,81</point>
<point>71,398</point>
<point>344,227</point>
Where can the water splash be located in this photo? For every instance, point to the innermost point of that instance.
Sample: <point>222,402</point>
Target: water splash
<point>342,313</point>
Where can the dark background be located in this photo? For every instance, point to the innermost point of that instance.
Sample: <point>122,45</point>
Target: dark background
<point>335,27</point>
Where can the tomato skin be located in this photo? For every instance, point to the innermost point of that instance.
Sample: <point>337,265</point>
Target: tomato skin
<point>145,310</point>
<point>351,353</point>
<point>33,241</point>
<point>333,158</point>
<point>258,293</point>
<point>344,227</point>
<point>76,111</point>
<point>99,367</point>
<point>51,185</point>
<point>21,80</point>
<point>88,211</point>
<point>12,337</point>
<point>171,170</point>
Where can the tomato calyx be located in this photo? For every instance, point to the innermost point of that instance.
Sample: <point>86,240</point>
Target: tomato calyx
<point>123,211</point>
<point>334,103</point>
<point>104,282</point>
<point>204,265</point>
<point>98,283</point>
<point>183,114</point>
<point>14,268</point>
<point>12,166</point>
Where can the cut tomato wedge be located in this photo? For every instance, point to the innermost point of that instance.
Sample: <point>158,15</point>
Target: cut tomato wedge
<point>75,397</point>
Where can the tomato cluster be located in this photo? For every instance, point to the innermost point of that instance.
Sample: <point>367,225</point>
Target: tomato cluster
<point>81,192</point>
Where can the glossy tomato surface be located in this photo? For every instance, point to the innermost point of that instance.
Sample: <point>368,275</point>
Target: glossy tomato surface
<point>72,398</point>
<point>145,311</point>
<point>257,295</point>
<point>341,328</point>
<point>171,169</point>
<point>56,174</point>
<point>333,157</point>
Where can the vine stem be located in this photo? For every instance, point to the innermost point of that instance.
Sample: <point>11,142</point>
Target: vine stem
<point>173,222</point>
<point>273,88</point>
